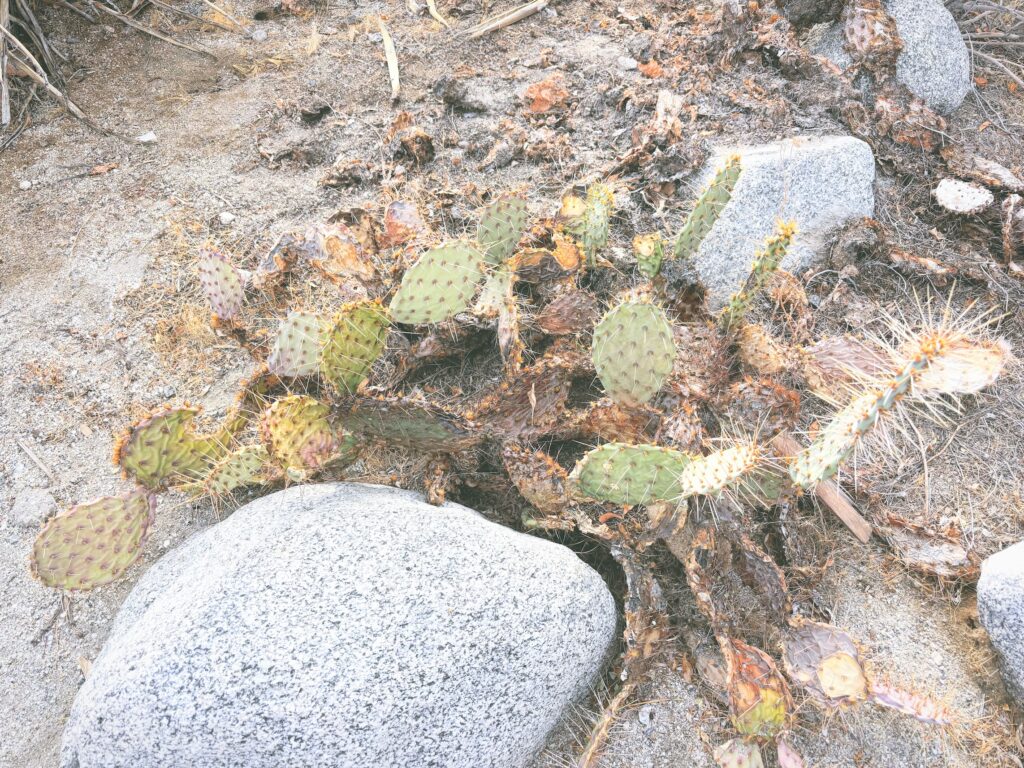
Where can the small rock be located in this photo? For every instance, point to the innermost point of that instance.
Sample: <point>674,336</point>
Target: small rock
<point>23,185</point>
<point>1001,608</point>
<point>934,63</point>
<point>259,35</point>
<point>32,507</point>
<point>345,625</point>
<point>820,183</point>
<point>962,197</point>
<point>477,94</point>
<point>147,138</point>
<point>626,62</point>
<point>226,217</point>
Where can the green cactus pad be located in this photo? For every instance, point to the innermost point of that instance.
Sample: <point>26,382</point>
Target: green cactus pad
<point>439,285</point>
<point>162,450</point>
<point>707,210</point>
<point>650,252</point>
<point>496,293</point>
<point>299,437</point>
<point>352,344</point>
<point>633,352</point>
<point>411,423</point>
<point>93,544</point>
<point>834,444</point>
<point>296,349</point>
<point>242,467</point>
<point>593,229</point>
<point>223,284</point>
<point>737,753</point>
<point>766,263</point>
<point>630,474</point>
<point>720,470</point>
<point>501,225</point>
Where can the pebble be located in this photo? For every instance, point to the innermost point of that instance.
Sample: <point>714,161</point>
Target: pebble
<point>26,184</point>
<point>626,62</point>
<point>226,217</point>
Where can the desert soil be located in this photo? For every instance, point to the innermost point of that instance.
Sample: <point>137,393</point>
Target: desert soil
<point>101,317</point>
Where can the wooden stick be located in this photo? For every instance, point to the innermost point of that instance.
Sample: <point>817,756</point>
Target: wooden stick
<point>39,75</point>
<point>38,462</point>
<point>436,14</point>
<point>152,32</point>
<point>5,93</point>
<point>229,17</point>
<point>830,494</point>
<point>392,58</point>
<point>505,19</point>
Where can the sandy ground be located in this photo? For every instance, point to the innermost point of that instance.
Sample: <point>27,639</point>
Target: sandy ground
<point>100,318</point>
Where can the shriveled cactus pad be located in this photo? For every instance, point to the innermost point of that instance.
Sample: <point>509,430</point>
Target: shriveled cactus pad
<point>630,474</point>
<point>162,450</point>
<point>352,344</point>
<point>737,753</point>
<point>296,349</point>
<point>411,423</point>
<point>439,285</point>
<point>92,544</point>
<point>825,661</point>
<point>633,351</point>
<point>759,699</point>
<point>501,226</point>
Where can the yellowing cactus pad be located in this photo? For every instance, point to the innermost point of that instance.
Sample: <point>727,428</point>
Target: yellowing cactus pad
<point>162,450</point>
<point>759,700</point>
<point>710,475</point>
<point>223,284</point>
<point>438,286</point>
<point>242,467</point>
<point>633,352</point>
<point>353,342</point>
<point>299,437</point>
<point>630,474</point>
<point>737,753</point>
<point>825,661</point>
<point>93,544</point>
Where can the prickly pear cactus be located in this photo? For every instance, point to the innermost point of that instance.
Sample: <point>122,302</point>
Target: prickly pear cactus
<point>497,291</point>
<point>824,661</point>
<point>837,441</point>
<point>410,423</point>
<point>501,225</point>
<point>593,231</point>
<point>296,349</point>
<point>223,284</point>
<point>766,263</point>
<point>538,477</point>
<point>439,285</point>
<point>759,700</point>
<point>719,470</point>
<point>353,341</point>
<point>299,437</point>
<point>650,253</point>
<point>737,753</point>
<point>162,450</point>
<point>244,466</point>
<point>633,352</point>
<point>630,474</point>
<point>92,544</point>
<point>707,210</point>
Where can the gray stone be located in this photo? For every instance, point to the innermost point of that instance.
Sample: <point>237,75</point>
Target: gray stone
<point>821,183</point>
<point>32,507</point>
<point>344,625</point>
<point>478,94</point>
<point>1001,607</point>
<point>934,63</point>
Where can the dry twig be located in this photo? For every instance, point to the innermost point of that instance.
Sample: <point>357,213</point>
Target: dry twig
<point>392,58</point>
<point>505,19</point>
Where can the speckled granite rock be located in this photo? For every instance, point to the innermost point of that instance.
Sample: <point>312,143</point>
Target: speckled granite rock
<point>1001,608</point>
<point>820,182</point>
<point>934,63</point>
<point>344,625</point>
